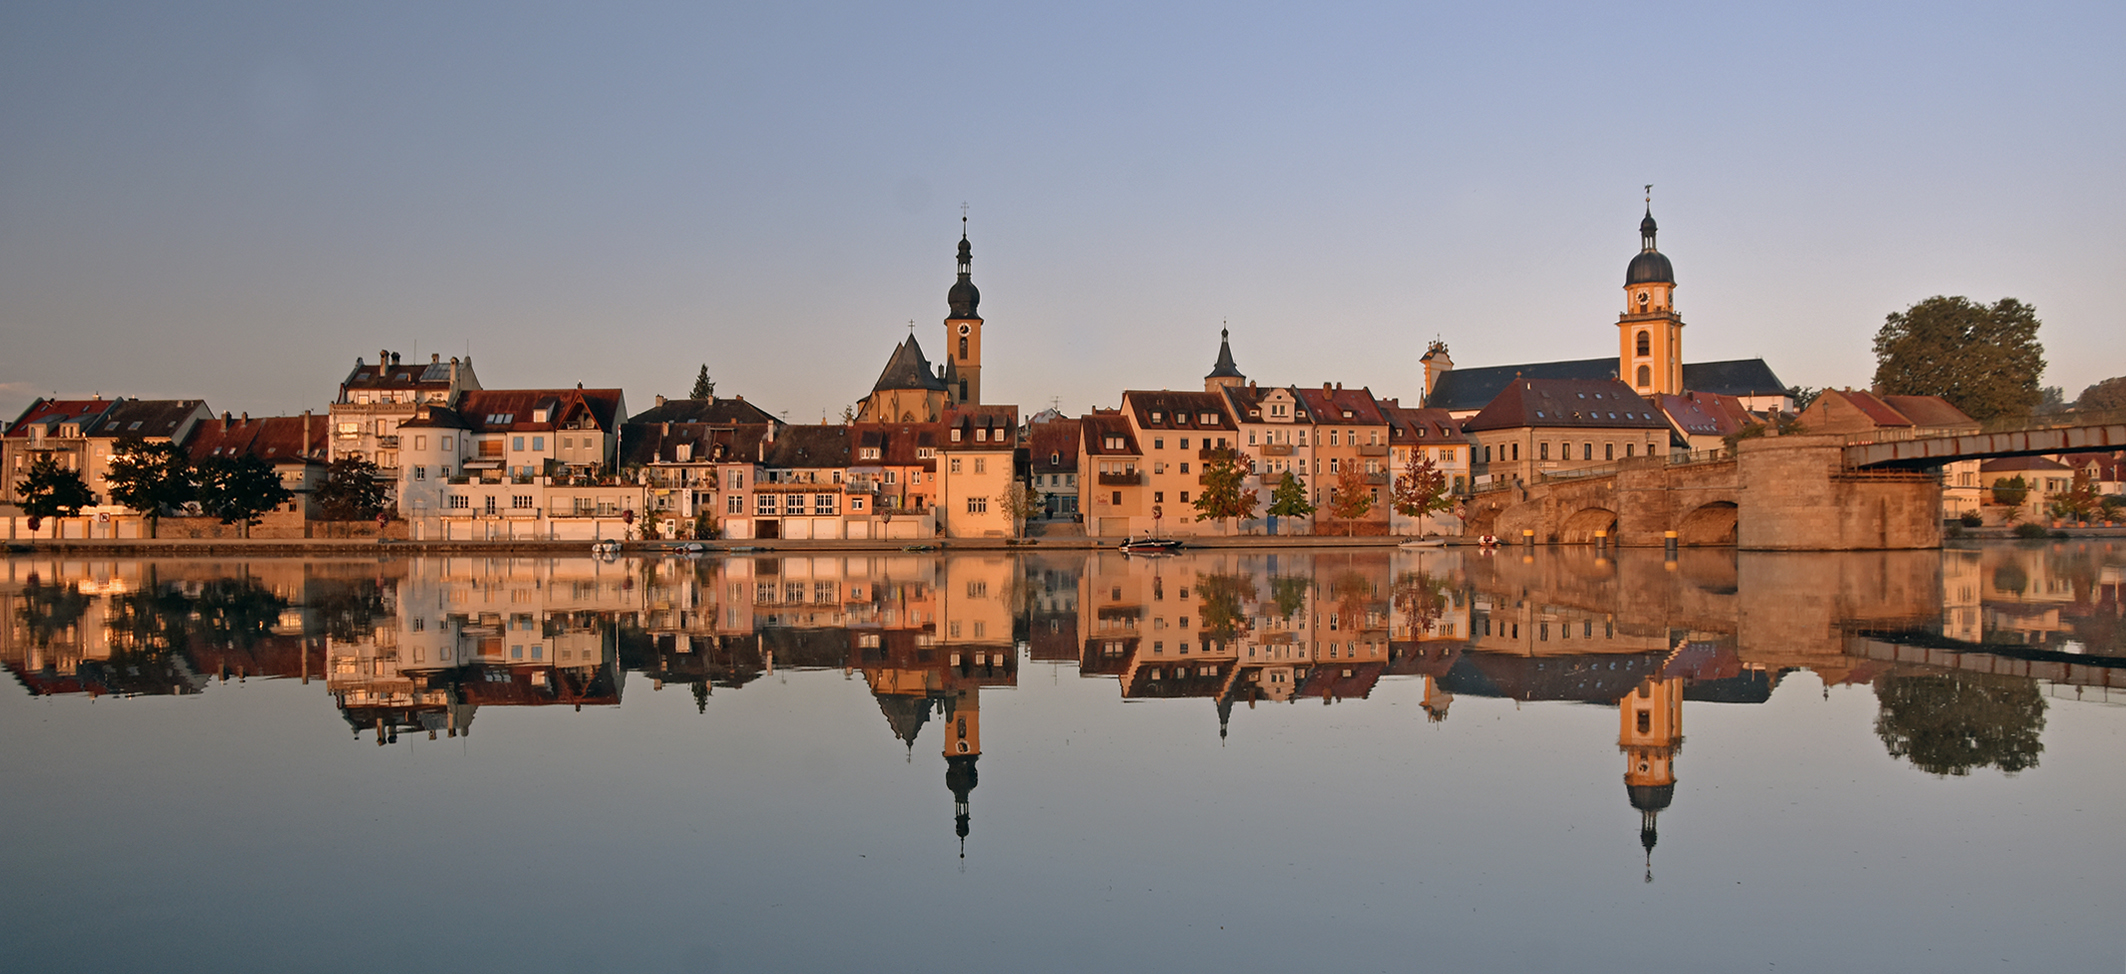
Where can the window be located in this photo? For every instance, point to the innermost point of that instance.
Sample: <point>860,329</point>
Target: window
<point>1487,454</point>
<point>1332,437</point>
<point>1646,347</point>
<point>1156,416</point>
<point>764,505</point>
<point>1184,497</point>
<point>1609,451</point>
<point>955,436</point>
<point>1184,442</point>
<point>1516,451</point>
<point>520,502</point>
<point>420,443</point>
<point>734,504</point>
<point>1586,451</point>
<point>459,502</point>
<point>963,347</point>
<point>955,464</point>
<point>892,476</point>
<point>981,464</point>
<point>1184,466</point>
<point>1543,451</point>
<point>1646,376</point>
<point>822,503</point>
<point>490,504</point>
<point>856,503</point>
<point>1158,497</point>
<point>516,443</point>
<point>1333,461</point>
<point>420,472</point>
<point>1158,442</point>
<point>1118,498</point>
<point>977,505</point>
<point>1629,447</point>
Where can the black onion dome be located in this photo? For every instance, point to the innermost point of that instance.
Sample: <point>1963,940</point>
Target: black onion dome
<point>964,298</point>
<point>1650,267</point>
<point>1646,226</point>
<point>1650,798</point>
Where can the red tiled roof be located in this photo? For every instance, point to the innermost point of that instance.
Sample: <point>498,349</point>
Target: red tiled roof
<point>1100,426</point>
<point>1930,411</point>
<point>1177,410</point>
<point>275,439</point>
<point>1409,425</point>
<point>1879,412</point>
<point>1704,414</point>
<point>51,412</point>
<point>503,410</point>
<point>1053,445</point>
<point>1330,403</point>
<point>2010,464</point>
<point>1001,422</point>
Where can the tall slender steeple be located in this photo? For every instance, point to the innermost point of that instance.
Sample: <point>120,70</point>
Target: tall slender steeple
<point>1224,372</point>
<point>963,329</point>
<point>1650,332</point>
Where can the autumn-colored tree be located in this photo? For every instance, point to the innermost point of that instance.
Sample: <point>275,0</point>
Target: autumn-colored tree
<point>1419,598</point>
<point>1021,502</point>
<point>1350,499</point>
<point>1225,494</point>
<point>1421,488</point>
<point>2080,501</point>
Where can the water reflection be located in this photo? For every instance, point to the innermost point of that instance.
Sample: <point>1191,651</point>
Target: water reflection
<point>1961,647</point>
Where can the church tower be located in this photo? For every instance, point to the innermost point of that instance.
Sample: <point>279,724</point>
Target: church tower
<point>1650,737</point>
<point>963,331</point>
<point>963,747</point>
<point>1650,332</point>
<point>1224,372</point>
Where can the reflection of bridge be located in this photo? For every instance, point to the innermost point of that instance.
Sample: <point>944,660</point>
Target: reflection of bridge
<point>1822,493</point>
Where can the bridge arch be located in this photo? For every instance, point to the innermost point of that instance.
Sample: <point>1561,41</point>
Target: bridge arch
<point>1581,527</point>
<point>1710,524</point>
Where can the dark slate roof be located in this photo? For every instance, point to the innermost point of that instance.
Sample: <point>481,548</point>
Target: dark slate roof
<point>148,418</point>
<point>1224,368</point>
<point>809,446</point>
<point>498,410</point>
<point>721,412</point>
<point>1001,423</point>
<point>388,373</point>
<point>1099,425</point>
<point>908,369</point>
<point>1053,445</point>
<point>1649,267</point>
<point>1568,404</point>
<point>646,443</point>
<point>1738,377</point>
<point>274,439</point>
<point>1178,410</point>
<point>1460,389</point>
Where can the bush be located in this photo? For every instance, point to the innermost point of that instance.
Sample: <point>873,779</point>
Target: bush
<point>2032,532</point>
<point>2059,535</point>
<point>1973,519</point>
<point>1956,530</point>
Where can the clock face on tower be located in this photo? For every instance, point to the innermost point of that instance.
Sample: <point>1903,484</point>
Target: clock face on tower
<point>964,329</point>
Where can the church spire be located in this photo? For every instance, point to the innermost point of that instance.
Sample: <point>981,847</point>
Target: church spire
<point>1223,372</point>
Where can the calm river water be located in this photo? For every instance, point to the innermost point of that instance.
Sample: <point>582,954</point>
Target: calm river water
<point>1311,760</point>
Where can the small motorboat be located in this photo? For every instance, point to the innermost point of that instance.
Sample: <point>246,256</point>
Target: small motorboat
<point>1424,543</point>
<point>1149,545</point>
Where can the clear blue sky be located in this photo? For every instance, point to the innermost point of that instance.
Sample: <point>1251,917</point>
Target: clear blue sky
<point>232,201</point>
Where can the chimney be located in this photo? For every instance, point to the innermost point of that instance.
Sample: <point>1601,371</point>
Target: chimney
<point>660,400</point>
<point>247,417</point>
<point>306,432</point>
<point>434,358</point>
<point>225,417</point>
<point>383,357</point>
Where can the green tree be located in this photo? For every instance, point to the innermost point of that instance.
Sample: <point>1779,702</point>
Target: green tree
<point>2011,492</point>
<point>2108,394</point>
<point>704,525</point>
<point>1953,722</point>
<point>1985,361</point>
<point>1289,593</point>
<point>237,613</point>
<point>49,491</point>
<point>240,490</point>
<point>646,525</point>
<point>1290,498</point>
<point>1421,488</point>
<point>1224,604</point>
<point>48,611</point>
<point>1350,499</point>
<point>704,387</point>
<point>351,491</point>
<point>150,478</point>
<point>1421,599</point>
<point>1225,494</point>
<point>2051,401</point>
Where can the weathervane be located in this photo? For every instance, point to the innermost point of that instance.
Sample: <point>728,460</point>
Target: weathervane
<point>1649,194</point>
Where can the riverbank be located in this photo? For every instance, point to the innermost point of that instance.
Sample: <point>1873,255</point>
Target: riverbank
<point>303,546</point>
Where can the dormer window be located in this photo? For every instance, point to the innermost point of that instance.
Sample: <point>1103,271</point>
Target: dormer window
<point>955,435</point>
<point>538,415</point>
<point>1156,416</point>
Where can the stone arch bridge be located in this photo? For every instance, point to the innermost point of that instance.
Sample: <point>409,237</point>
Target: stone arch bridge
<point>1795,493</point>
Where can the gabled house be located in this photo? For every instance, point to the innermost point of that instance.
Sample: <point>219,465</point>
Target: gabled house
<point>1350,433</point>
<point>1052,457</point>
<point>375,398</point>
<point>977,466</point>
<point>298,447</point>
<point>516,463</point>
<point>49,429</point>
<point>1112,491</point>
<point>1866,414</point>
<point>1538,426</point>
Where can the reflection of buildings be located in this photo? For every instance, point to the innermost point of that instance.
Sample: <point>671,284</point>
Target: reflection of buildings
<point>1651,736</point>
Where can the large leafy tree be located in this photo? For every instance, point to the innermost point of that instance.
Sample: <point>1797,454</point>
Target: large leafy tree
<point>1289,499</point>
<point>1350,499</point>
<point>1984,360</point>
<point>51,491</point>
<point>240,490</point>
<point>151,478</point>
<point>1421,488</point>
<point>1954,722</point>
<point>2108,394</point>
<point>351,491</point>
<point>704,387</point>
<point>1225,494</point>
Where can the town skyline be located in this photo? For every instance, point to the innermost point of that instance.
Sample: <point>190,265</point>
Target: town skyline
<point>258,197</point>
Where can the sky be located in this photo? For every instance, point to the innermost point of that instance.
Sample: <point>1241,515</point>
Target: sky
<point>232,201</point>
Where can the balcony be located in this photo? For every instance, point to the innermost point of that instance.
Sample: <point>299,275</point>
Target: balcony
<point>1373,450</point>
<point>387,442</point>
<point>1131,479</point>
<point>1276,449</point>
<point>1377,479</point>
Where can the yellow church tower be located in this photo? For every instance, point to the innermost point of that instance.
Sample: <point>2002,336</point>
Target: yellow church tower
<point>1650,332</point>
<point>1650,737</point>
<point>963,331</point>
<point>963,747</point>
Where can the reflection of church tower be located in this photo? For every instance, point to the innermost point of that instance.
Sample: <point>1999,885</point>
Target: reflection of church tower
<point>1436,701</point>
<point>963,746</point>
<point>1651,736</point>
<point>1650,332</point>
<point>963,331</point>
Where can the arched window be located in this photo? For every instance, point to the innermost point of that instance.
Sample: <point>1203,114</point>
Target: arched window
<point>963,345</point>
<point>1646,375</point>
<point>1646,344</point>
